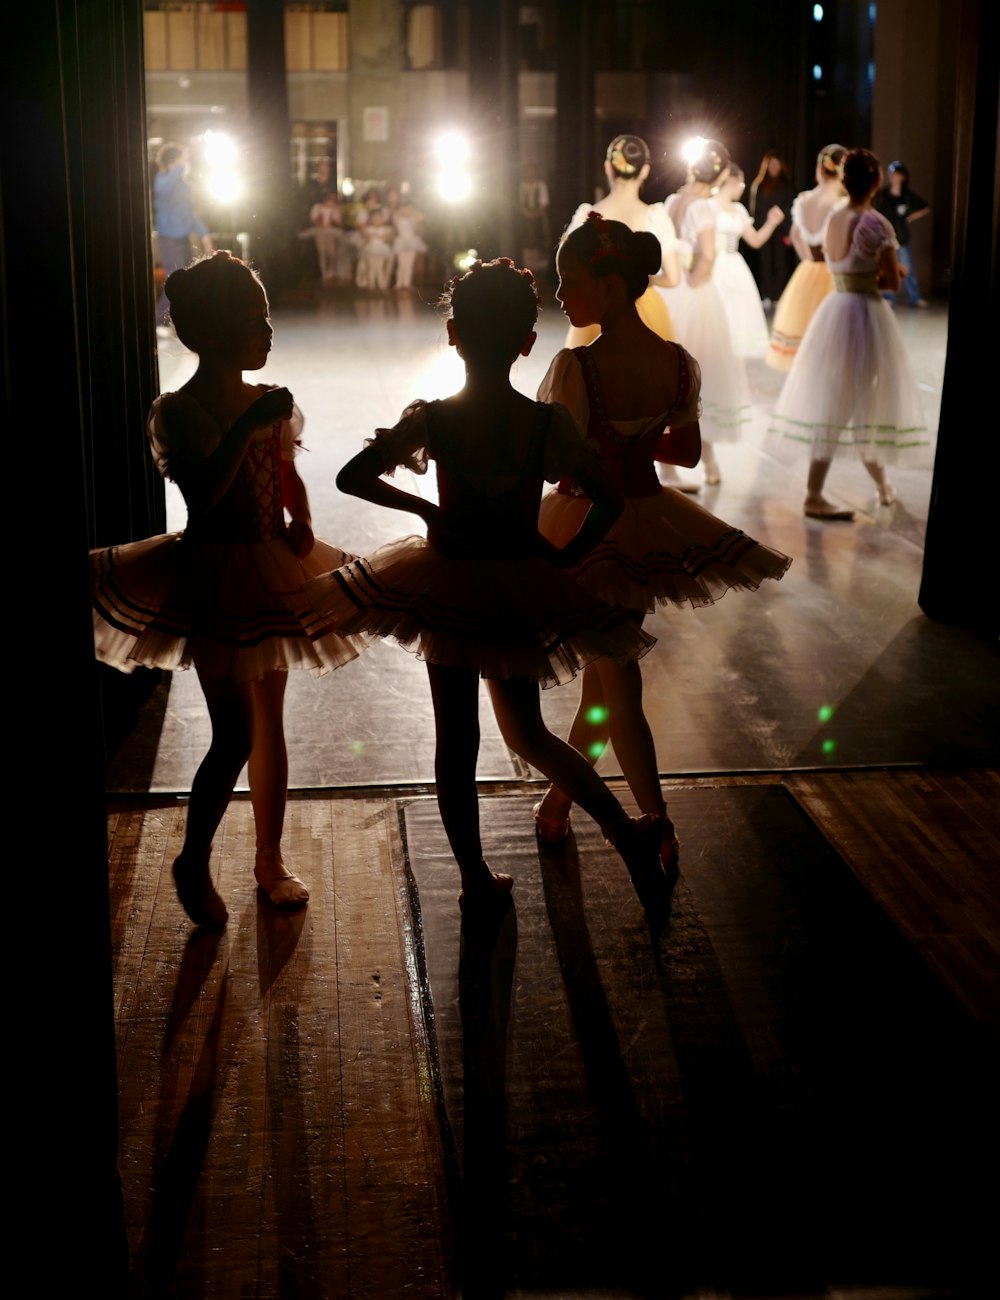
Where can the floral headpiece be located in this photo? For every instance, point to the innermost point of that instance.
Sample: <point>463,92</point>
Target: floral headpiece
<point>828,165</point>
<point>616,157</point>
<point>606,246</point>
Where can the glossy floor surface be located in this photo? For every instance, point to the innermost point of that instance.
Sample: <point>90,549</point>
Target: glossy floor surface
<point>835,664</point>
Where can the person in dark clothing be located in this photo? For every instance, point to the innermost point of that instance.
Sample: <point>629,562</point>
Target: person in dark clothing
<point>898,203</point>
<point>774,261</point>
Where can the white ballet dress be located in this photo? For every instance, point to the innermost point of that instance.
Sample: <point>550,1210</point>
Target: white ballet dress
<point>488,599</point>
<point>407,239</point>
<point>664,549</point>
<point>850,390</point>
<point>703,328</point>
<point>740,296</point>
<point>226,593</point>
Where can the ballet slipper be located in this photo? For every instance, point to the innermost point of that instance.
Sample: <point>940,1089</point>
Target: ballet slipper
<point>489,889</point>
<point>886,493</point>
<point>551,831</point>
<point>197,894</point>
<point>276,881</point>
<point>827,510</point>
<point>712,477</point>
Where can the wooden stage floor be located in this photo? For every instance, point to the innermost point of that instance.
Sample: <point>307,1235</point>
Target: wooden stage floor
<point>787,1094</point>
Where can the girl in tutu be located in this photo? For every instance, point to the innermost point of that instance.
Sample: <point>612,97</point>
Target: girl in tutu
<point>637,397</point>
<point>699,313</point>
<point>811,280</point>
<point>483,594</point>
<point>626,165</point>
<point>850,390</point>
<point>740,296</point>
<point>225,594</point>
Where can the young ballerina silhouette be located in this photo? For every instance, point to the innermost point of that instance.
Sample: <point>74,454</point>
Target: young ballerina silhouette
<point>483,594</point>
<point>851,391</point>
<point>637,397</point>
<point>225,594</point>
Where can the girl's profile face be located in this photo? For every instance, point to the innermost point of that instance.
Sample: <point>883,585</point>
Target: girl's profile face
<point>577,292</point>
<point>733,188</point>
<point>250,331</point>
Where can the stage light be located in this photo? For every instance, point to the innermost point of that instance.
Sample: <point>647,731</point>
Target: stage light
<point>347,187</point>
<point>693,148</point>
<point>465,260</point>
<point>222,181</point>
<point>817,13</point>
<point>452,148</point>
<point>817,72</point>
<point>454,187</point>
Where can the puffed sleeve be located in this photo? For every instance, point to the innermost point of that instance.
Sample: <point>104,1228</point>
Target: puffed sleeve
<point>405,443</point>
<point>567,452</point>
<point>687,409</point>
<point>872,234</point>
<point>744,216</point>
<point>564,383</point>
<point>291,434</point>
<point>181,433</point>
<point>703,215</point>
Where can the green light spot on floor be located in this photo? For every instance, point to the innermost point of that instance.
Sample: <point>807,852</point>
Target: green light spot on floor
<point>829,746</point>
<point>357,748</point>
<point>596,750</point>
<point>825,712</point>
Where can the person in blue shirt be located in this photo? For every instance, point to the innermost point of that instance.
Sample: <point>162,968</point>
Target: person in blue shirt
<point>174,219</point>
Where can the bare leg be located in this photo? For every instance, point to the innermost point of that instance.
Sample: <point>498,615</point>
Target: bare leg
<point>816,505</point>
<point>455,695</point>
<point>404,267</point>
<point>231,712</point>
<point>268,773</point>
<point>886,491</point>
<point>518,712</point>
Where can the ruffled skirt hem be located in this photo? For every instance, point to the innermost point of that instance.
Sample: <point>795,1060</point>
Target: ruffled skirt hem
<point>663,550</point>
<point>501,618</point>
<point>233,610</point>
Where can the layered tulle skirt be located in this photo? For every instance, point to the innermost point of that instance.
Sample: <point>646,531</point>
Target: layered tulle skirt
<point>501,617</point>
<point>740,297</point>
<point>662,550</point>
<point>851,390</point>
<point>809,285</point>
<point>232,609</point>
<point>703,329</point>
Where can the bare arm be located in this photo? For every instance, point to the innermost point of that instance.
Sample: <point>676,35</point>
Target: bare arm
<point>800,245</point>
<point>681,445</point>
<point>704,258</point>
<point>670,273</point>
<point>362,477</point>
<point>295,499</point>
<point>757,237</point>
<point>606,506</point>
<point>888,270</point>
<point>915,216</point>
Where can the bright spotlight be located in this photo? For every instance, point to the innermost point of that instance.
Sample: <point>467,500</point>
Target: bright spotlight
<point>347,187</point>
<point>224,186</point>
<point>454,187</point>
<point>452,148</point>
<point>465,260</point>
<point>220,150</point>
<point>693,148</point>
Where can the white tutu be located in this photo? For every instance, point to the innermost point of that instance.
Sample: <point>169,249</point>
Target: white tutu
<point>850,390</point>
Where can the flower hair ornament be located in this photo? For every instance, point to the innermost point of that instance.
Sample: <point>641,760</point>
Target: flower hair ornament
<point>829,167</point>
<point>616,157</point>
<point>606,246</point>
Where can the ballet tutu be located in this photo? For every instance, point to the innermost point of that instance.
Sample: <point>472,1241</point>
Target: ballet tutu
<point>502,617</point>
<point>663,549</point>
<point>851,390</point>
<point>810,284</point>
<point>234,609</point>
<point>741,301</point>
<point>703,329</point>
<point>653,312</point>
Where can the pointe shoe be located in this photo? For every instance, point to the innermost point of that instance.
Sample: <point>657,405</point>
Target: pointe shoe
<point>197,894</point>
<point>277,882</point>
<point>639,842</point>
<point>486,893</point>
<point>551,831</point>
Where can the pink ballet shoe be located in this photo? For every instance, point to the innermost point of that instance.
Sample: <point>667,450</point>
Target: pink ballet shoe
<point>277,882</point>
<point>639,841</point>
<point>197,894</point>
<point>551,831</point>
